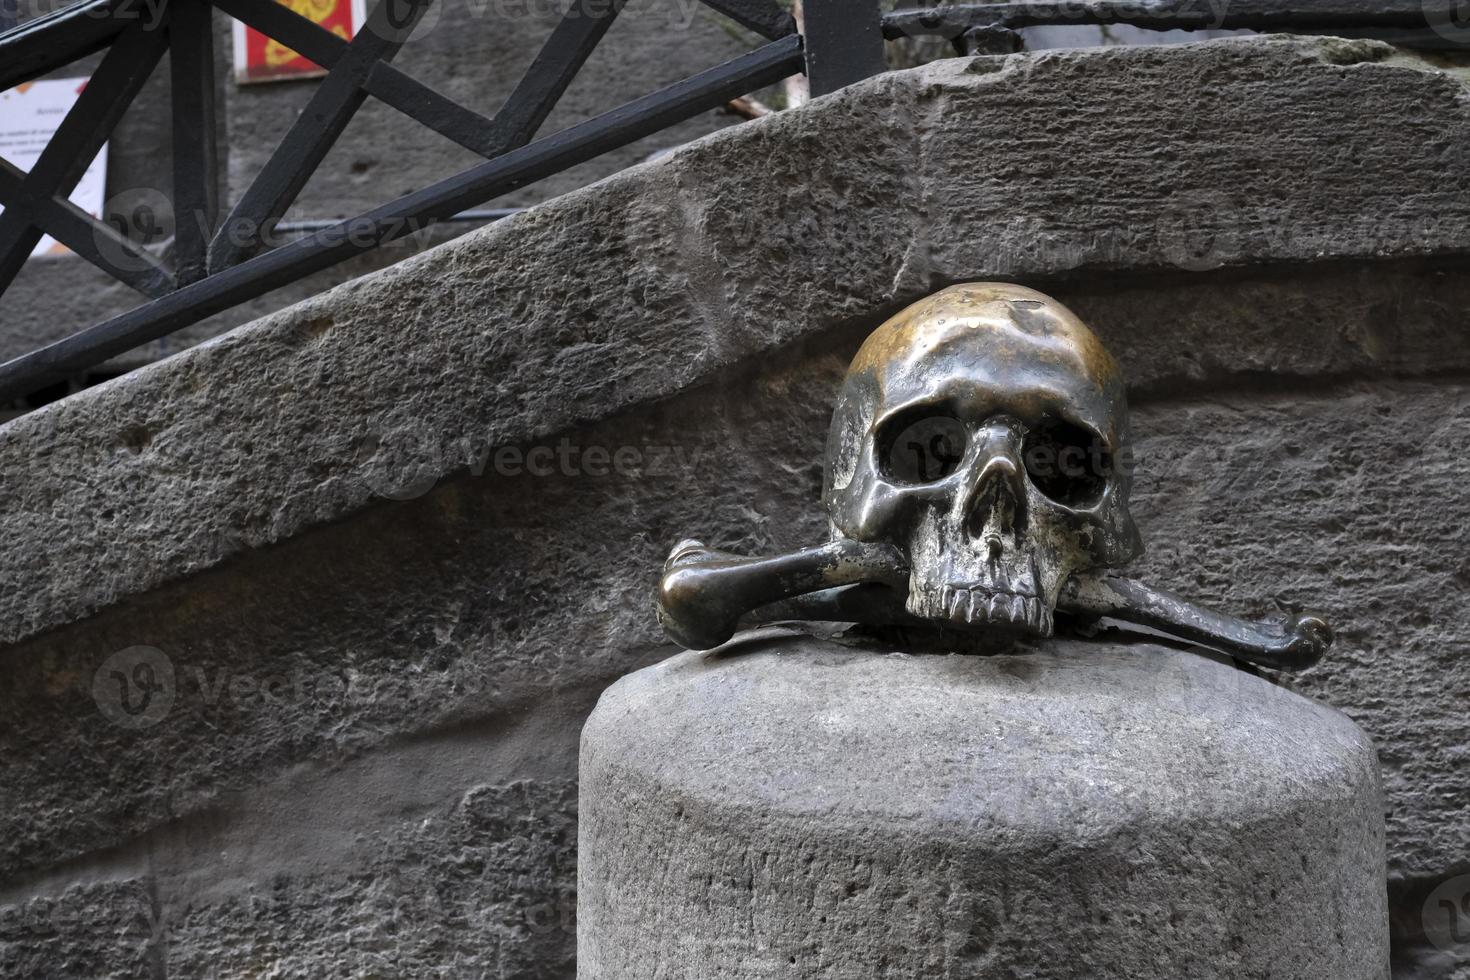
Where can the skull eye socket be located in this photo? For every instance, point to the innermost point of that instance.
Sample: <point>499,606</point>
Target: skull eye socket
<point>920,447</point>
<point>1067,463</point>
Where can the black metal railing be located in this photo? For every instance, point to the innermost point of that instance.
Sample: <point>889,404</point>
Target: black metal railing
<point>220,263</point>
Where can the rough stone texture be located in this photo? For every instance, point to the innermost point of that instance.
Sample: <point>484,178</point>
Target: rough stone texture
<point>58,295</point>
<point>667,274</point>
<point>1353,503</point>
<point>378,598</point>
<point>434,618</point>
<point>804,808</point>
<point>108,930</point>
<point>484,887</point>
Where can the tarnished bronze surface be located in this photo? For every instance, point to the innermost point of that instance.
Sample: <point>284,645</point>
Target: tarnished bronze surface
<point>976,483</point>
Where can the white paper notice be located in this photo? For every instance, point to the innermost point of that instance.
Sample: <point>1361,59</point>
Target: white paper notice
<point>29,115</point>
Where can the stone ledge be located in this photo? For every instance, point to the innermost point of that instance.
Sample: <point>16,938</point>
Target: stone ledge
<point>662,277</point>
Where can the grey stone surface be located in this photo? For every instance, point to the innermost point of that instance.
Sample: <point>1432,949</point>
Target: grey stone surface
<point>55,296</point>
<point>106,930</point>
<point>484,889</point>
<point>1431,926</point>
<point>484,886</point>
<point>804,808</point>
<point>665,275</point>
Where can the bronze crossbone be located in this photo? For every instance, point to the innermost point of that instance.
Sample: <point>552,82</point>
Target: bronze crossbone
<point>976,483</point>
<point>706,595</point>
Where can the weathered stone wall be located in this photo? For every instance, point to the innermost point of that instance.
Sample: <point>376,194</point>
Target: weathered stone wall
<point>310,615</point>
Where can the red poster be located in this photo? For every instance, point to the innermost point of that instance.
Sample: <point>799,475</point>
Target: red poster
<point>259,58</point>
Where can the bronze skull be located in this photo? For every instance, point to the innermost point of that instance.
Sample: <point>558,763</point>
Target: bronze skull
<point>984,432</point>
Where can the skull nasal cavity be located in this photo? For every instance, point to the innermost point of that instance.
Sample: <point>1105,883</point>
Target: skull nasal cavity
<point>996,504</point>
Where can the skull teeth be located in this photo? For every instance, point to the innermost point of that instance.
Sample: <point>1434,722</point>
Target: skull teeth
<point>1018,609</point>
<point>980,606</point>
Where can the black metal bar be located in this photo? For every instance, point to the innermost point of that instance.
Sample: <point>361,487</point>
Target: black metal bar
<point>60,37</point>
<point>306,37</point>
<point>440,113</point>
<point>196,165</point>
<point>573,40</point>
<point>988,40</point>
<point>553,154</point>
<point>1188,15</point>
<point>762,16</point>
<point>384,82</point>
<point>313,133</point>
<point>76,141</point>
<point>844,43</point>
<point>109,251</point>
<point>89,238</point>
<point>484,215</point>
<point>553,69</point>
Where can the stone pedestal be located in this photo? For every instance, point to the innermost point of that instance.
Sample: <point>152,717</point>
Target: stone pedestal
<point>800,808</point>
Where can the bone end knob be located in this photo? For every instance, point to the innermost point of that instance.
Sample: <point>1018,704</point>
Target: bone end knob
<point>691,612</point>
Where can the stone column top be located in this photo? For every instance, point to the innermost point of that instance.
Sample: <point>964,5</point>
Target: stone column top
<point>1076,740</point>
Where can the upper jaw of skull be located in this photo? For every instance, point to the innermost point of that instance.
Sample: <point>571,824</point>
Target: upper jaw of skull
<point>1005,595</point>
<point>974,564</point>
